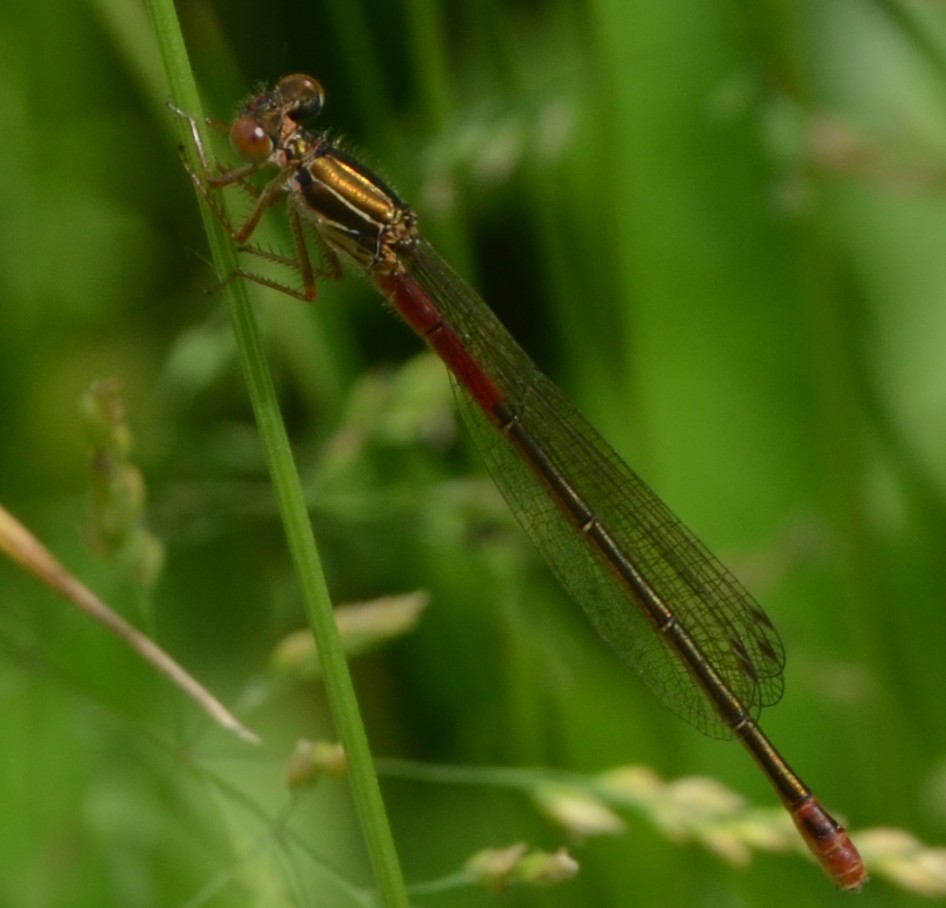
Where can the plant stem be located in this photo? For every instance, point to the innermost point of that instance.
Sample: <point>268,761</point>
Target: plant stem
<point>366,791</point>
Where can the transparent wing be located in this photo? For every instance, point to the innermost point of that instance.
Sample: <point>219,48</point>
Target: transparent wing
<point>731,630</point>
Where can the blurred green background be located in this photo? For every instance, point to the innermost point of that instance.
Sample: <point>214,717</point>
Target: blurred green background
<point>718,225</point>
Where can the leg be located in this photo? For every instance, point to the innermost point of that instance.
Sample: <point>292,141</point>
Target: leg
<point>302,261</point>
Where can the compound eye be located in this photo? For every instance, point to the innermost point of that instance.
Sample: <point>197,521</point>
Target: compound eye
<point>249,139</point>
<point>304,96</point>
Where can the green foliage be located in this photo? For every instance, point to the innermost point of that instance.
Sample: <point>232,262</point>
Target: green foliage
<point>717,225</point>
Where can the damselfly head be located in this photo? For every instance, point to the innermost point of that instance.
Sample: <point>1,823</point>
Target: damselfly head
<point>262,124</point>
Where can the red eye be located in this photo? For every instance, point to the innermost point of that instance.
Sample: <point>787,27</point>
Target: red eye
<point>249,139</point>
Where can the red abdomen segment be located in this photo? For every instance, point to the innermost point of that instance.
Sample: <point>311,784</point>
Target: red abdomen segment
<point>829,843</point>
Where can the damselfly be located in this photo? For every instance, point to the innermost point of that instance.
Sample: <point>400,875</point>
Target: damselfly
<point>649,586</point>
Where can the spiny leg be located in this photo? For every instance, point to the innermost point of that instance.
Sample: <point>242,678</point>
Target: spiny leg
<point>301,262</point>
